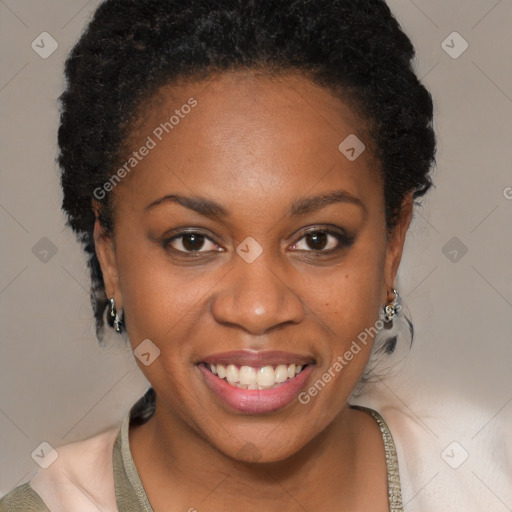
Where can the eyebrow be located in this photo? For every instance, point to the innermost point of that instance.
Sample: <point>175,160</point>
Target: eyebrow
<point>209,208</point>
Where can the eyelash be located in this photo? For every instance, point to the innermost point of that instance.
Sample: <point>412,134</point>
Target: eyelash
<point>344,242</point>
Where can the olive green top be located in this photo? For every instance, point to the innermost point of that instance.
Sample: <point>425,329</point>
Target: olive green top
<point>131,496</point>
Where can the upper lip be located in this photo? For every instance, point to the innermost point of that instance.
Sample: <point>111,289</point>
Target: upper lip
<point>256,358</point>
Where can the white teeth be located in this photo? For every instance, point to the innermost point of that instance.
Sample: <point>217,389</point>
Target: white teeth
<point>266,376</point>
<point>247,377</point>
<point>281,373</point>
<point>232,373</point>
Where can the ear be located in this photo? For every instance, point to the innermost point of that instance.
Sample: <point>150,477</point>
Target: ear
<point>395,246</point>
<point>106,254</point>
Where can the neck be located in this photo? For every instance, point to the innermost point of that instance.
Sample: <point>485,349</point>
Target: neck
<point>171,455</point>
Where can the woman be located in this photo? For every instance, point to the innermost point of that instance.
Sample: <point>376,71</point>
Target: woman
<point>242,177</point>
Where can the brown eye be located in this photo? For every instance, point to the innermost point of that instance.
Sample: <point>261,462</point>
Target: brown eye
<point>191,242</point>
<point>317,240</point>
<point>323,241</point>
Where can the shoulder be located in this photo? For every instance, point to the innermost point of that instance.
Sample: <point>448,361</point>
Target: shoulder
<point>22,499</point>
<point>443,461</point>
<point>81,479</point>
<point>82,476</point>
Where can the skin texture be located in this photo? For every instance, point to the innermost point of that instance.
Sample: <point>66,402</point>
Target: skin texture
<point>254,144</point>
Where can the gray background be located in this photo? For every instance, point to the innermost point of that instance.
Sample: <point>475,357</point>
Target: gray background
<point>59,386</point>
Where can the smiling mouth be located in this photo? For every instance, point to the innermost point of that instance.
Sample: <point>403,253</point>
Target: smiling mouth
<point>249,377</point>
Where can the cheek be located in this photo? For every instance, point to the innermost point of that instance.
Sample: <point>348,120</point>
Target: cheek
<point>348,306</point>
<point>163,304</point>
<point>158,299</point>
<point>167,304</point>
<point>350,296</point>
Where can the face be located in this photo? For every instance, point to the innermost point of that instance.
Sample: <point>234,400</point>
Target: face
<point>245,239</point>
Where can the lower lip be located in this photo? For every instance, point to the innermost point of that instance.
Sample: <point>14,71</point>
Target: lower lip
<point>257,401</point>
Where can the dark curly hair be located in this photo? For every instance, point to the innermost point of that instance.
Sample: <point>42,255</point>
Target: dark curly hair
<point>131,48</point>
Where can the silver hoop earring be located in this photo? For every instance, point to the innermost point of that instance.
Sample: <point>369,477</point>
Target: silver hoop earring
<point>392,309</point>
<point>114,314</point>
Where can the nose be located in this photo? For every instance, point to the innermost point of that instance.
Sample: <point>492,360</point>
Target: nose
<point>257,297</point>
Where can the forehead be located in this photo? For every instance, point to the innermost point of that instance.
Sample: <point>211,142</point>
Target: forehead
<point>242,133</point>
